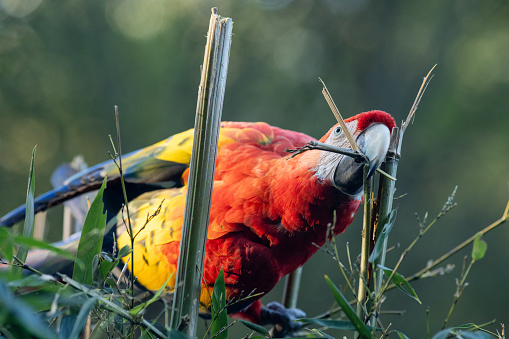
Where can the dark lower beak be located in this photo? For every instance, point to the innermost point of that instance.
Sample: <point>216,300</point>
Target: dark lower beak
<point>374,143</point>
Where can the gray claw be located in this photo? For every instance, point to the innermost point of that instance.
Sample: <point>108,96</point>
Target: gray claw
<point>282,318</point>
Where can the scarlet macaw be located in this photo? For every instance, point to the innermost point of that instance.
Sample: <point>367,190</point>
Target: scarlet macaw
<point>267,211</point>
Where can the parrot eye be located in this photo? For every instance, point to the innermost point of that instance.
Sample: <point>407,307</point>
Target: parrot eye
<point>337,130</point>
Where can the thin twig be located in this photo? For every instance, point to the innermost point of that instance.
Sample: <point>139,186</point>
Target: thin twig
<point>316,145</point>
<point>118,155</point>
<point>417,100</point>
<point>21,264</point>
<point>338,116</point>
<point>461,246</point>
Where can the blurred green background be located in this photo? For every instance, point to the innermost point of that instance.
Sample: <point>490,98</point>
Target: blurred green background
<point>64,64</point>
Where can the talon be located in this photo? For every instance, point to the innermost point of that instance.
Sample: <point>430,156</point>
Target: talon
<point>282,318</point>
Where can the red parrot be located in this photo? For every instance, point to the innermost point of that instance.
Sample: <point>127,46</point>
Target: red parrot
<point>267,210</point>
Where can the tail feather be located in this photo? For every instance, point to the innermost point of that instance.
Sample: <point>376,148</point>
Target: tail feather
<point>143,169</point>
<point>80,183</point>
<point>48,262</point>
<point>77,206</point>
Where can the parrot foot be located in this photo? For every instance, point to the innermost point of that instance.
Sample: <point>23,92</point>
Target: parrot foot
<point>283,319</point>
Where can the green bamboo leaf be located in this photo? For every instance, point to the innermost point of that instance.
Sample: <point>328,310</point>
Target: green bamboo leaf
<point>401,335</point>
<point>320,333</point>
<point>28,229</point>
<point>218,309</point>
<point>383,236</point>
<point>22,318</point>
<point>33,281</point>
<point>337,324</point>
<point>106,266</point>
<point>91,238</point>
<point>6,248</point>
<point>154,298</point>
<point>479,248</point>
<point>66,325</point>
<point>108,263</point>
<point>124,251</point>
<point>29,241</point>
<point>348,310</point>
<point>474,335</point>
<point>400,282</point>
<point>443,334</point>
<point>256,328</point>
<point>81,319</point>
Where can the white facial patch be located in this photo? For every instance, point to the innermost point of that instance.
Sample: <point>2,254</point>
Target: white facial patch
<point>328,161</point>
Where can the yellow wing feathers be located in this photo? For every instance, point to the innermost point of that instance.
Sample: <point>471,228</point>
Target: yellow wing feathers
<point>178,147</point>
<point>151,264</point>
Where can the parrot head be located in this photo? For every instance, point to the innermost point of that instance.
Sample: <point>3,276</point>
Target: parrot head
<point>371,132</point>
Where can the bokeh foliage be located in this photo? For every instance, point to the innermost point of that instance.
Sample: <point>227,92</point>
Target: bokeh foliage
<point>63,65</point>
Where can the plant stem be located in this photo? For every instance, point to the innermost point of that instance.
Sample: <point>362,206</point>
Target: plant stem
<point>464,244</point>
<point>201,175</point>
<point>28,228</point>
<point>366,238</point>
<point>459,290</point>
<point>387,188</point>
<point>126,203</point>
<point>291,290</point>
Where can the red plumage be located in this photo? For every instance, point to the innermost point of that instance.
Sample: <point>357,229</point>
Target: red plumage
<point>267,211</point>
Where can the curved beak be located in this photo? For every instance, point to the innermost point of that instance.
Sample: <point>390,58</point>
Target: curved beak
<point>374,143</point>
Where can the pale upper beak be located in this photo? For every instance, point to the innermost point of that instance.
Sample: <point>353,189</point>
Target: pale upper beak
<point>374,143</point>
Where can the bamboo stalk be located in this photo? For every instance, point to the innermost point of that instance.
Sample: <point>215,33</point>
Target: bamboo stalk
<point>366,239</point>
<point>387,188</point>
<point>291,289</point>
<point>201,174</point>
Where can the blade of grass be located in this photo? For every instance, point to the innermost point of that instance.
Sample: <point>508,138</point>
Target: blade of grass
<point>256,328</point>
<point>31,242</point>
<point>82,317</point>
<point>400,282</point>
<point>91,238</point>
<point>360,327</point>
<point>219,317</point>
<point>15,270</point>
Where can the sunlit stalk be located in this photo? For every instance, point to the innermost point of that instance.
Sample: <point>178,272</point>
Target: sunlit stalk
<point>201,174</point>
<point>366,238</point>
